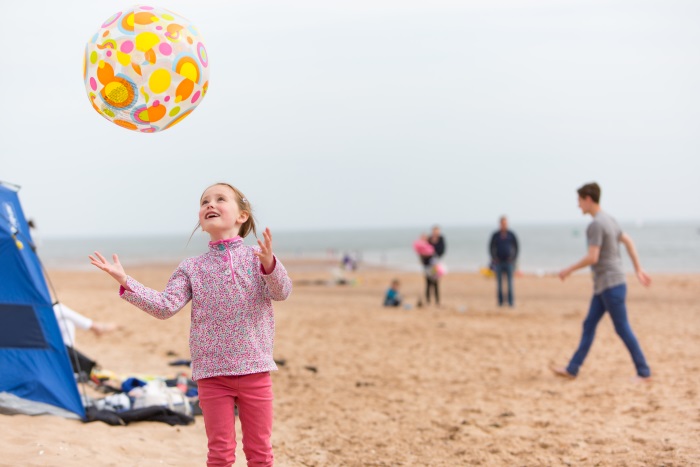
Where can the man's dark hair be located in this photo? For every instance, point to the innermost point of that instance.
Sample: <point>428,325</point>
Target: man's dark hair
<point>592,190</point>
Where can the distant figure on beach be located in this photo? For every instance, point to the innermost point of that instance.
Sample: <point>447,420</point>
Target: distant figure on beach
<point>233,324</point>
<point>609,288</point>
<point>68,320</point>
<point>393,297</point>
<point>428,258</point>
<point>438,241</point>
<point>504,254</point>
<point>349,263</point>
<point>437,269</point>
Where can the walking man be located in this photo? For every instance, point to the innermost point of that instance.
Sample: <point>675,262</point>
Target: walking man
<point>609,288</point>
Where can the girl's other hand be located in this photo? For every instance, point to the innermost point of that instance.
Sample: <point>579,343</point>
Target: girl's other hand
<point>115,270</point>
<point>267,259</point>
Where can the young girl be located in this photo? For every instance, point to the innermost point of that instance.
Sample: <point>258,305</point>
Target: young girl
<point>231,335</point>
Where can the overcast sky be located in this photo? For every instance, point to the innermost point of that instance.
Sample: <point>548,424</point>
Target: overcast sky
<point>368,113</point>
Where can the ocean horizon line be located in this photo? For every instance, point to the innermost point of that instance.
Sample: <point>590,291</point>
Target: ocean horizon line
<point>667,247</point>
<point>418,228</point>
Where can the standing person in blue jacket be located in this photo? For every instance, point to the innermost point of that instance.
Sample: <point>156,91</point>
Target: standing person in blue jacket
<point>604,236</point>
<point>504,253</point>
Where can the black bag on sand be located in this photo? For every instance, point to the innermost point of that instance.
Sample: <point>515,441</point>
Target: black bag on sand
<point>145,414</point>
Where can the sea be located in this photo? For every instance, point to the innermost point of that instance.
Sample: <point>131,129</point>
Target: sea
<point>663,247</point>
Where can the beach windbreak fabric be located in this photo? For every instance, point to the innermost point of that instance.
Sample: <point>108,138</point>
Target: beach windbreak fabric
<point>34,363</point>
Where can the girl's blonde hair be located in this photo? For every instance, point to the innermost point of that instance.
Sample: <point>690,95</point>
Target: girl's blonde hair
<point>243,206</point>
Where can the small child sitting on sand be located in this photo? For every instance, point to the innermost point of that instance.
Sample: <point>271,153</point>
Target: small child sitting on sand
<point>393,298</point>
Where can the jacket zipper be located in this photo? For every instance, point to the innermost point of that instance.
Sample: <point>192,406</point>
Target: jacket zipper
<point>230,265</point>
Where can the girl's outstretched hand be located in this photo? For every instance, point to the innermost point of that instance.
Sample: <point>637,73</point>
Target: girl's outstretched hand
<point>265,255</point>
<point>115,270</point>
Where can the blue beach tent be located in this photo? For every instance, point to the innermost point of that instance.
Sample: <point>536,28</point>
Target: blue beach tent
<point>34,363</point>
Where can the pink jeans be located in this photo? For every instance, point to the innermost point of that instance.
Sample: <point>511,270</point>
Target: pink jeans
<point>253,396</point>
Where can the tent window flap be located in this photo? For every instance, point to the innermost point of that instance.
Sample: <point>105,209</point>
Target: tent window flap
<point>20,328</point>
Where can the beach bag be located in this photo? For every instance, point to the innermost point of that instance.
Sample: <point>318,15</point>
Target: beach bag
<point>118,402</point>
<point>157,393</point>
<point>435,268</point>
<point>439,269</point>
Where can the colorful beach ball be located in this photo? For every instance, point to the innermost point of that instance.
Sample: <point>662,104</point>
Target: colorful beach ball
<point>146,69</point>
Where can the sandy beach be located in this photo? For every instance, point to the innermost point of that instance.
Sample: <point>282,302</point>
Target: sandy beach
<point>463,384</point>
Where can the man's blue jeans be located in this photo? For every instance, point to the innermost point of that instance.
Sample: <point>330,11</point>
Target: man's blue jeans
<point>507,269</point>
<point>611,300</point>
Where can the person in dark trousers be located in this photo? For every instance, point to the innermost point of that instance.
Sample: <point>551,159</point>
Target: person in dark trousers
<point>604,236</point>
<point>432,277</point>
<point>504,254</point>
<point>68,320</point>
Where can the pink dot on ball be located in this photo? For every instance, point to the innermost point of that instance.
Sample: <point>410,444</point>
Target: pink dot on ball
<point>195,97</point>
<point>159,28</point>
<point>156,103</point>
<point>127,47</point>
<point>93,83</point>
<point>165,48</point>
<point>109,53</point>
<point>167,99</point>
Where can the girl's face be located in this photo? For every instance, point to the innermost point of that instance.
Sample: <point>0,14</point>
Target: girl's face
<point>219,214</point>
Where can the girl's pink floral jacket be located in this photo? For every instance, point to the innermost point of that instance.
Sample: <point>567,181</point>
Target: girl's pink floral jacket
<point>233,324</point>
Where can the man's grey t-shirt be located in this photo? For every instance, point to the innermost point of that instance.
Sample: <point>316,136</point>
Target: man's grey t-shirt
<point>605,233</point>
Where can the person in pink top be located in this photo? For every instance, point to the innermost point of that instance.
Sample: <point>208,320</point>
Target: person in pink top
<point>232,326</point>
